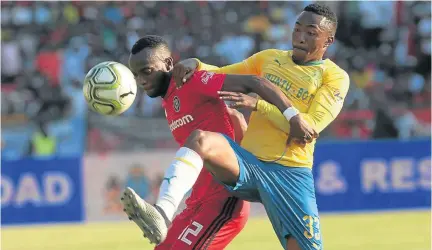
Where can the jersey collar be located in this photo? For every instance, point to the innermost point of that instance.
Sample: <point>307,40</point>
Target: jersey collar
<point>311,63</point>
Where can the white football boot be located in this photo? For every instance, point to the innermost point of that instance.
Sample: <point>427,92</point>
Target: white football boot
<point>146,216</point>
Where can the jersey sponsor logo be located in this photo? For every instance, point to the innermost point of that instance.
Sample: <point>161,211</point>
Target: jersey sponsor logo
<point>282,83</point>
<point>176,104</point>
<point>180,122</point>
<point>206,77</point>
<point>277,61</point>
<point>290,89</point>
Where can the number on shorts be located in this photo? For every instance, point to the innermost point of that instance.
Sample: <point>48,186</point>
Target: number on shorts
<point>194,232</point>
<point>310,232</point>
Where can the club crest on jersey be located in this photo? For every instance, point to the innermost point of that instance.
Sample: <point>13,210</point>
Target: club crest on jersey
<point>176,104</point>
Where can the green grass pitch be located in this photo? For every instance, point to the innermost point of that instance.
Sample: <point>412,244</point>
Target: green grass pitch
<point>380,231</point>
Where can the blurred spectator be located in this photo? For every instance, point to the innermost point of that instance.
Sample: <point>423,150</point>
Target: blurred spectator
<point>43,144</point>
<point>112,196</point>
<point>48,47</point>
<point>137,180</point>
<point>12,59</point>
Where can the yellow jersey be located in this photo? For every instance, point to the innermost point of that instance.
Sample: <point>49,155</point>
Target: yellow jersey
<point>316,89</point>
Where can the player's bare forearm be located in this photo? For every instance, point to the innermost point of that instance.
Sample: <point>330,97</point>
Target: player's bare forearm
<point>255,84</point>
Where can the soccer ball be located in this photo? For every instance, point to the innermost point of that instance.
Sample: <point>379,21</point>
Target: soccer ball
<point>109,88</point>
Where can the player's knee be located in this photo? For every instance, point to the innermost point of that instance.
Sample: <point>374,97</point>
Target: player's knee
<point>199,141</point>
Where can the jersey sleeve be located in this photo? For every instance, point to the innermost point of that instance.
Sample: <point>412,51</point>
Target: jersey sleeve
<point>324,108</point>
<point>207,83</point>
<point>207,67</point>
<point>329,99</point>
<point>249,66</point>
<point>272,113</point>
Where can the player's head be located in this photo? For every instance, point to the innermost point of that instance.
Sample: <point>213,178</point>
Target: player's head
<point>150,61</point>
<point>314,31</point>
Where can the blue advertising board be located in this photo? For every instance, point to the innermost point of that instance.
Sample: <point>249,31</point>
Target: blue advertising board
<point>41,191</point>
<point>373,175</point>
<point>349,176</point>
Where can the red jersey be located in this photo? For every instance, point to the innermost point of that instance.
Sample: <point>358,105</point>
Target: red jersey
<point>196,105</point>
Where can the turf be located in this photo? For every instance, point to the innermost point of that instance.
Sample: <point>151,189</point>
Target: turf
<point>383,231</point>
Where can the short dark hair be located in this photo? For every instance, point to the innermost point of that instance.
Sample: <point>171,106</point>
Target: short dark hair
<point>325,11</point>
<point>149,41</point>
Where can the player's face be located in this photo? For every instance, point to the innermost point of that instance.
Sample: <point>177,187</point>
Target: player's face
<point>151,68</point>
<point>311,37</point>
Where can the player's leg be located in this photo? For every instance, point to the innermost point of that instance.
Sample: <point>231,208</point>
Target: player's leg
<point>214,225</point>
<point>178,180</point>
<point>188,162</point>
<point>292,244</point>
<point>216,152</point>
<point>288,196</point>
<point>219,155</point>
<point>230,164</point>
<point>201,146</point>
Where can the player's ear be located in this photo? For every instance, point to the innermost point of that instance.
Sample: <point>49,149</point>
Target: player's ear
<point>169,62</point>
<point>329,41</point>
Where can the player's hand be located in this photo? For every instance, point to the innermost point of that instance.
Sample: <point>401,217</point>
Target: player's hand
<point>238,100</point>
<point>300,132</point>
<point>183,71</point>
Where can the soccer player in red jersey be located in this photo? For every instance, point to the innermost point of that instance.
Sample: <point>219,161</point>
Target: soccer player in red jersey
<point>212,217</point>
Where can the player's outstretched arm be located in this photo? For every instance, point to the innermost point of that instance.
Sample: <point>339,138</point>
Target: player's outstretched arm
<point>271,93</point>
<point>270,111</point>
<point>255,84</point>
<point>324,108</point>
<point>183,70</point>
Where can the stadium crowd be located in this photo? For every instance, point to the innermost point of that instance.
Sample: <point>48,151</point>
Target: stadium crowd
<point>47,48</point>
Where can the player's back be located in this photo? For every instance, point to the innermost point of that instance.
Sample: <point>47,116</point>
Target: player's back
<point>197,106</point>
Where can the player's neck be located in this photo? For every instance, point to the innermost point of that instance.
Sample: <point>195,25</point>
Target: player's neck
<point>308,62</point>
<point>166,84</point>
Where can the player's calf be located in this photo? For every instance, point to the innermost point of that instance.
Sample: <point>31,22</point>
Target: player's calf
<point>216,153</point>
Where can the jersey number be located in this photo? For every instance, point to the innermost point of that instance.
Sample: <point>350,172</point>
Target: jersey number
<point>188,230</point>
<point>312,225</point>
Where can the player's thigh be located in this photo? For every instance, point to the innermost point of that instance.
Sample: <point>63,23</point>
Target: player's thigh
<point>218,156</point>
<point>288,196</point>
<point>231,164</point>
<point>213,227</point>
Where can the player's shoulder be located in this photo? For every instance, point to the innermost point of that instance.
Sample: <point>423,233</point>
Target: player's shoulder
<point>203,76</point>
<point>271,53</point>
<point>332,71</point>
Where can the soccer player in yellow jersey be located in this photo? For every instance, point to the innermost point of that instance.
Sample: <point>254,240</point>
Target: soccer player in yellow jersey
<point>273,166</point>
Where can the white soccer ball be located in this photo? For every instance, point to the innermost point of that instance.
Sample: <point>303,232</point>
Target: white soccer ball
<point>110,88</point>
